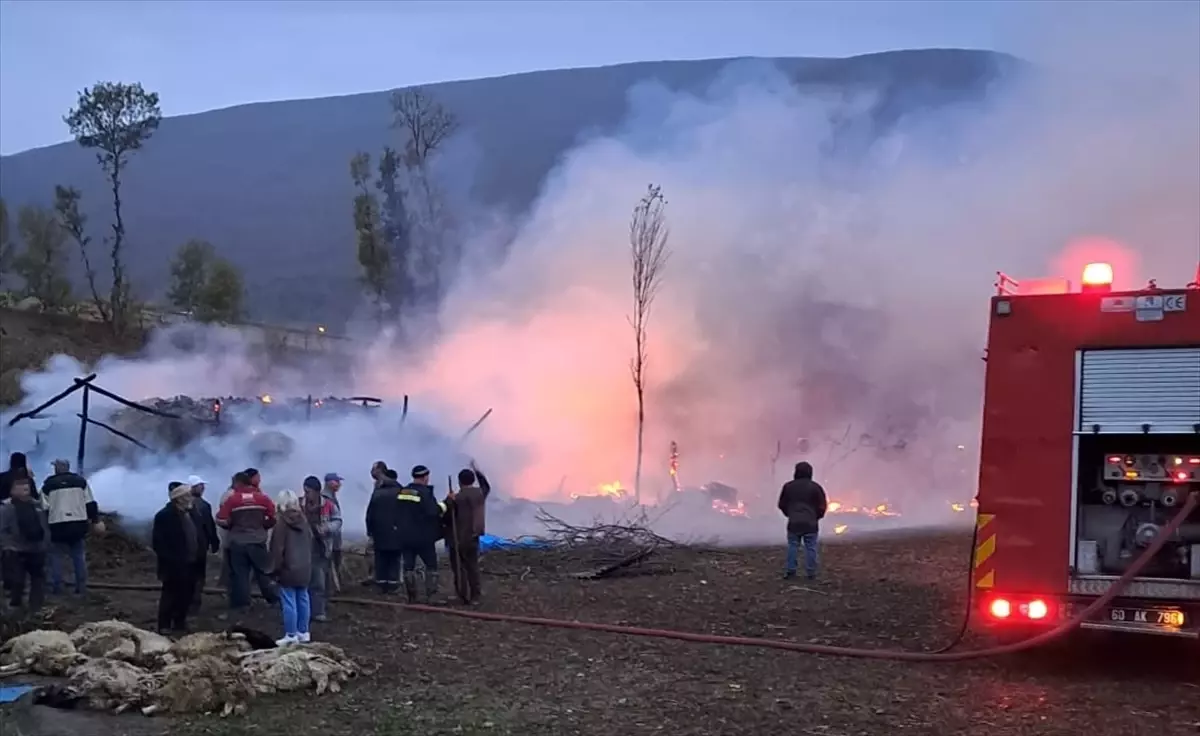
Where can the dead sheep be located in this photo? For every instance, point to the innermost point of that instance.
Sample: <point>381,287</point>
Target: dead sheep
<point>201,684</point>
<point>210,644</point>
<point>323,667</point>
<point>112,684</point>
<point>42,652</point>
<point>114,639</point>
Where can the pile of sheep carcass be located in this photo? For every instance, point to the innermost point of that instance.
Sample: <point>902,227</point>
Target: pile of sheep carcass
<point>112,665</point>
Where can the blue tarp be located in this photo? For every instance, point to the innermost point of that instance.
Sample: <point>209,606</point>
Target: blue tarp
<point>488,541</point>
<point>11,693</point>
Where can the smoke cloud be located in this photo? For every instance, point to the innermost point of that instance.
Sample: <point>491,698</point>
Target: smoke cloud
<point>824,301</point>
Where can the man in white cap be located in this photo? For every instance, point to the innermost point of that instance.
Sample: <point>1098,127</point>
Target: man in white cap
<point>177,543</point>
<point>206,527</point>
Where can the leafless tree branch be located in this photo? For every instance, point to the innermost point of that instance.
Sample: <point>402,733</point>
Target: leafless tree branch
<point>648,236</point>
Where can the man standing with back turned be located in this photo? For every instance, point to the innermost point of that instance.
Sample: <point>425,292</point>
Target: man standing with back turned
<point>802,500</point>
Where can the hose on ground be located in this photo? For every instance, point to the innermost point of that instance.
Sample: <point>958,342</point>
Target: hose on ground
<point>790,646</point>
<point>964,624</point>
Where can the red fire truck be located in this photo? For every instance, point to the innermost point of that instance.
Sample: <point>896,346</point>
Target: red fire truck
<point>1091,443</point>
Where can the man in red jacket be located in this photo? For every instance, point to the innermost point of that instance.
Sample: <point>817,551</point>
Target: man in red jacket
<point>247,514</point>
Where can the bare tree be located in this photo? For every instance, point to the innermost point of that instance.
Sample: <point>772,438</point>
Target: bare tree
<point>648,252</point>
<point>425,126</point>
<point>74,222</point>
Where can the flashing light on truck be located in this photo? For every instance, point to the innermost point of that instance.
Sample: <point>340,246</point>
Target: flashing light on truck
<point>1097,277</point>
<point>1089,449</point>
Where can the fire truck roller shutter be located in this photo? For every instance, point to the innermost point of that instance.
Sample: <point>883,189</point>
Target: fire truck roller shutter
<point>1123,391</point>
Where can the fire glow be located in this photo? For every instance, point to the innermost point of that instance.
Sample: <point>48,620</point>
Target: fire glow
<point>605,490</point>
<point>731,509</point>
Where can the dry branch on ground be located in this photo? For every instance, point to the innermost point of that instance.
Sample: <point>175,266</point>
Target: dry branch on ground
<point>626,546</point>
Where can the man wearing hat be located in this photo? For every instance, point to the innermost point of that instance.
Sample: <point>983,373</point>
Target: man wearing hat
<point>333,484</point>
<point>177,542</point>
<point>202,515</point>
<point>73,512</point>
<point>422,514</point>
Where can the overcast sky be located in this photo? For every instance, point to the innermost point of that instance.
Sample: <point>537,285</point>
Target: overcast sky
<point>205,55</point>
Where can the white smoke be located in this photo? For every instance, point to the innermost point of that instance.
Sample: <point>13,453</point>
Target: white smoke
<point>833,314</point>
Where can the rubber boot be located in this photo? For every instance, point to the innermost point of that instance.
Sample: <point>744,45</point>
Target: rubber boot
<point>410,586</point>
<point>431,586</point>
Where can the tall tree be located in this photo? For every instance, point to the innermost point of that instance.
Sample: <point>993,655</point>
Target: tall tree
<point>394,225</point>
<point>74,223</point>
<point>7,247</point>
<point>374,257</point>
<point>425,126</point>
<point>189,273</point>
<point>222,297</point>
<point>115,119</point>
<point>648,252</point>
<point>42,265</point>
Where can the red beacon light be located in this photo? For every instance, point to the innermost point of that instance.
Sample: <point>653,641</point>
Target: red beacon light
<point>1097,277</point>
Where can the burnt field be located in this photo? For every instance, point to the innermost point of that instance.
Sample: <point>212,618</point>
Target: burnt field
<point>440,674</point>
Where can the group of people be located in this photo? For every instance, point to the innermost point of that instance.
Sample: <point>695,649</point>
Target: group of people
<point>291,546</point>
<point>404,524</point>
<point>291,562</point>
<point>40,529</point>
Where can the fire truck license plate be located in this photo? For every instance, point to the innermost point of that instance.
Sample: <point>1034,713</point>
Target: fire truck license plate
<point>1162,617</point>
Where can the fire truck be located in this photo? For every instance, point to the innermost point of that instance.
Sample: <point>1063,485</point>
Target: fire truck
<point>1090,445</point>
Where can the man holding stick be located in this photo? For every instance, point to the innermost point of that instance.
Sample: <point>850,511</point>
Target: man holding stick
<point>465,512</point>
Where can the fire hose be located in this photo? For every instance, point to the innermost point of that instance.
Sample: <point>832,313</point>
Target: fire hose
<point>1046,637</point>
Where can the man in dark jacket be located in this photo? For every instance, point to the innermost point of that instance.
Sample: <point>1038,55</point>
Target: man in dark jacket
<point>383,530</point>
<point>24,537</point>
<point>202,515</point>
<point>177,542</point>
<point>802,500</point>
<point>420,527</point>
<point>18,467</point>
<point>463,526</point>
<point>73,512</point>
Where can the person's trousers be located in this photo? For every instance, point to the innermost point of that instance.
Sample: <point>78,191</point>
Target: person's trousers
<point>317,592</point>
<point>809,543</point>
<point>175,598</point>
<point>75,552</point>
<point>427,553</point>
<point>335,565</point>
<point>464,563</point>
<point>294,603</point>
<point>387,569</point>
<point>199,578</point>
<point>19,567</point>
<point>246,559</point>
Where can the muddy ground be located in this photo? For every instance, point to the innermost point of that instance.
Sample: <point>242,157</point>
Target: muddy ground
<point>446,675</point>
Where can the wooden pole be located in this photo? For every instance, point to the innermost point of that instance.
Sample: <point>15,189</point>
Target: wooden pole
<point>83,425</point>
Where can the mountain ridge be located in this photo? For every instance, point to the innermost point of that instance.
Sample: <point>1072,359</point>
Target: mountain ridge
<point>269,179</point>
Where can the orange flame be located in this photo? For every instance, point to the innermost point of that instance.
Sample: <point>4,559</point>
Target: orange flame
<point>605,490</point>
<point>729,509</point>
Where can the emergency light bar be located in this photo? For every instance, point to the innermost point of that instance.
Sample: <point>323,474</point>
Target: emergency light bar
<point>1097,277</point>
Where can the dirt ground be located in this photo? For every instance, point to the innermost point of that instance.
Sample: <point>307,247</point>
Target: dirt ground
<point>29,339</point>
<point>446,675</point>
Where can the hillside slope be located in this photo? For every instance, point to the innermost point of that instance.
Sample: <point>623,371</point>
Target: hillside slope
<point>268,183</point>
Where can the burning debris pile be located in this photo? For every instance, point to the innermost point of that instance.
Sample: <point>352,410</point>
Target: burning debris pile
<point>114,666</point>
<point>599,550</point>
<point>170,424</point>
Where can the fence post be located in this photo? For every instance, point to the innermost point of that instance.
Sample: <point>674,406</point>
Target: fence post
<point>83,422</point>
